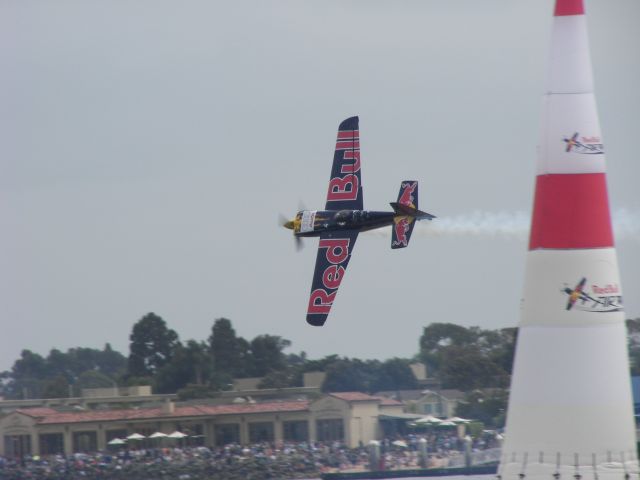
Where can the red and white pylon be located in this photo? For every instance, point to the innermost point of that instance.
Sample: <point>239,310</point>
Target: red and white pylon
<point>570,407</point>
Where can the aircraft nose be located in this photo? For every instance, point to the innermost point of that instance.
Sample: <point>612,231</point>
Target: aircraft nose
<point>288,225</point>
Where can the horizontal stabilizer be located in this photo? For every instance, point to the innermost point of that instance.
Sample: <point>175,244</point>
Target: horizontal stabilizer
<point>401,209</point>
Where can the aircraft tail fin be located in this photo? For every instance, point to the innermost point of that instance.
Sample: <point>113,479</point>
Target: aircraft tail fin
<point>406,209</point>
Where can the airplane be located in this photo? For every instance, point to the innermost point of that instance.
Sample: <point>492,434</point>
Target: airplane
<point>578,294</point>
<point>343,218</point>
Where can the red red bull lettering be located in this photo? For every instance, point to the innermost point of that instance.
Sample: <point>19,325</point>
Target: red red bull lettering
<point>321,301</point>
<point>343,188</point>
<point>336,253</point>
<point>332,277</point>
<point>337,249</point>
<point>344,184</point>
<point>351,155</point>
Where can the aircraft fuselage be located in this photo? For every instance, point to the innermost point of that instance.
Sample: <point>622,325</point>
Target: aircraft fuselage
<point>312,223</point>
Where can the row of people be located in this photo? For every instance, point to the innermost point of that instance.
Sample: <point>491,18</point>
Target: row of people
<point>232,462</point>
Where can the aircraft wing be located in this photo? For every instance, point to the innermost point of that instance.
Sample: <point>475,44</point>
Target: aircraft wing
<point>345,184</point>
<point>334,252</point>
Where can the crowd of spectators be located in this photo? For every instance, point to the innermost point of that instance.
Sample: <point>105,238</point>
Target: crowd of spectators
<point>232,462</point>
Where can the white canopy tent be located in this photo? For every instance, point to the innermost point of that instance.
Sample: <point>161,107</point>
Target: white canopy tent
<point>428,420</point>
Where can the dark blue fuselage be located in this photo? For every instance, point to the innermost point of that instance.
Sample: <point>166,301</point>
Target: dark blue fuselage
<point>315,222</point>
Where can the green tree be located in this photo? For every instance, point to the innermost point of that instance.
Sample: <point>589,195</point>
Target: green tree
<point>504,349</point>
<point>59,363</point>
<point>230,353</point>
<point>81,359</point>
<point>394,374</point>
<point>27,376</point>
<point>93,379</point>
<point>151,346</point>
<point>466,368</point>
<point>190,365</point>
<point>345,375</point>
<point>277,379</point>
<point>436,336</point>
<point>111,362</point>
<point>57,387</point>
<point>468,357</point>
<point>488,406</point>
<point>29,365</point>
<point>267,355</point>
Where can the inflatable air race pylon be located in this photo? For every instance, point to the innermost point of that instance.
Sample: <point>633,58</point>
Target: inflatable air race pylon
<point>570,414</point>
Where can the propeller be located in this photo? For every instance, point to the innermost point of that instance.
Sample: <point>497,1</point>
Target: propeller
<point>283,221</point>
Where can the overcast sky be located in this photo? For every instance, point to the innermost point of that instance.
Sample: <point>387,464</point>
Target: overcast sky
<point>147,148</point>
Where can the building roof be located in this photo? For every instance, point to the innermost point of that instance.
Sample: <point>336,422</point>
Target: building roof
<point>402,395</point>
<point>37,411</point>
<point>415,395</point>
<point>388,402</point>
<point>449,394</point>
<point>187,411</point>
<point>354,397</point>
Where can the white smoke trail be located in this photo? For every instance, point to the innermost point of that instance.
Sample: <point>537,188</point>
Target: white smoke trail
<point>509,225</point>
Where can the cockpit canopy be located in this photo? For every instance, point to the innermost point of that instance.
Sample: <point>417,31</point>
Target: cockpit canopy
<point>343,216</point>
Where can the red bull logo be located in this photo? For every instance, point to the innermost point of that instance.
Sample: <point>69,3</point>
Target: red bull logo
<point>337,252</point>
<point>584,145</point>
<point>600,299</point>
<point>400,228</point>
<point>345,185</point>
<point>407,198</point>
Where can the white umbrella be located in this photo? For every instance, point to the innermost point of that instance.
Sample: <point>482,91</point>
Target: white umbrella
<point>136,436</point>
<point>400,443</point>
<point>117,441</point>
<point>428,420</point>
<point>177,434</point>
<point>458,420</point>
<point>158,435</point>
<point>446,423</point>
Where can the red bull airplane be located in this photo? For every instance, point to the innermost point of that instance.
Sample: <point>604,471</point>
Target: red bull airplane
<point>343,218</point>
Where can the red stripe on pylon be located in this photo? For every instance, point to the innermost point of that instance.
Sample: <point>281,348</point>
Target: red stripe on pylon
<point>571,211</point>
<point>568,7</point>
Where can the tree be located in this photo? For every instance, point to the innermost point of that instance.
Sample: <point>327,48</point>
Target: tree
<point>267,355</point>
<point>438,335</point>
<point>190,365</point>
<point>466,368</point>
<point>488,406</point>
<point>276,379</point>
<point>26,378</point>
<point>468,357</point>
<point>504,350</point>
<point>152,345</point>
<point>230,353</point>
<point>58,363</point>
<point>57,387</point>
<point>345,375</point>
<point>394,374</point>
<point>29,365</point>
<point>93,379</point>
